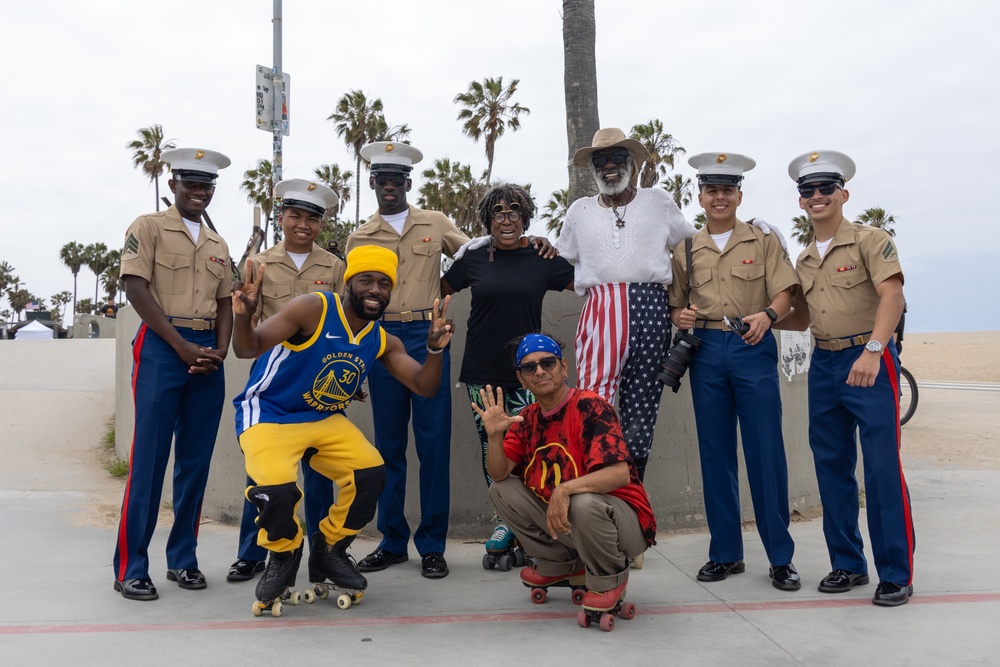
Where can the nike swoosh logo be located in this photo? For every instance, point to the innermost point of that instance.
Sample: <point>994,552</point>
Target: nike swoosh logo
<point>331,336</point>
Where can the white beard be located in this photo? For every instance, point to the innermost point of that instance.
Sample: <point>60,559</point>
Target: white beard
<point>613,189</point>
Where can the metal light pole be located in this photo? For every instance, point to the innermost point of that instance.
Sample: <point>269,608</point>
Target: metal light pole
<point>278,112</point>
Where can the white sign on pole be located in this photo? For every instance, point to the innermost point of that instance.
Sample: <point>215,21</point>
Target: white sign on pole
<point>265,100</point>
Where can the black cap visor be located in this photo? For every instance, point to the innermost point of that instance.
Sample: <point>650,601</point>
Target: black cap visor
<point>304,205</point>
<point>195,176</point>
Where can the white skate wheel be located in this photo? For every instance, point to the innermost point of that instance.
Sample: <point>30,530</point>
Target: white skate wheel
<point>344,601</point>
<point>294,598</point>
<point>309,596</point>
<point>276,609</point>
<point>258,608</point>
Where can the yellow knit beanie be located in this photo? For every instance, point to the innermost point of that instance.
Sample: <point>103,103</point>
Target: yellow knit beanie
<point>371,258</point>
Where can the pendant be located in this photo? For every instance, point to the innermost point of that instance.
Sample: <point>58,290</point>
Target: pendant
<point>619,223</point>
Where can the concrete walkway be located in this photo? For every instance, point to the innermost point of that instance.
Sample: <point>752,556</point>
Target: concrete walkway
<point>60,606</point>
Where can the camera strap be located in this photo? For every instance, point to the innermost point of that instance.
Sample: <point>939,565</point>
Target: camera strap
<point>688,245</point>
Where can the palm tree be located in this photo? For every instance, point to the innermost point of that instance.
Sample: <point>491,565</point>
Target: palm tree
<point>258,184</point>
<point>19,298</point>
<point>338,181</point>
<point>356,121</point>
<point>97,260</point>
<point>680,189</point>
<point>700,220</point>
<point>109,279</point>
<point>451,188</point>
<point>802,230</point>
<point>579,89</point>
<point>555,211</point>
<point>488,113</point>
<point>878,217</point>
<point>662,147</point>
<point>73,255</point>
<point>146,152</point>
<point>7,277</point>
<point>58,302</point>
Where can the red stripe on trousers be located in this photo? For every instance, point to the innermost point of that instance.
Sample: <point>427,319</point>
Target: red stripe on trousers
<point>893,372</point>
<point>140,338</point>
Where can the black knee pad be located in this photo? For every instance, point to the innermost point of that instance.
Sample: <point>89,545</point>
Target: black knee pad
<point>276,509</point>
<point>368,484</point>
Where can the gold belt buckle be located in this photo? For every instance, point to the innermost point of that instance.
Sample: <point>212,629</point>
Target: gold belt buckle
<point>199,325</point>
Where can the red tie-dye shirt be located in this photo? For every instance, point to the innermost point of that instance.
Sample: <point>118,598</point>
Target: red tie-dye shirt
<point>578,437</point>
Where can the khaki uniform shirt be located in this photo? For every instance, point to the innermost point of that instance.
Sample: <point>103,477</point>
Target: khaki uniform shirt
<point>184,278</point>
<point>321,272</point>
<point>741,280</point>
<point>840,288</point>
<point>426,234</point>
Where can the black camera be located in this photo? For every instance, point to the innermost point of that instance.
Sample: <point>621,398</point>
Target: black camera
<point>678,358</point>
<point>739,327</point>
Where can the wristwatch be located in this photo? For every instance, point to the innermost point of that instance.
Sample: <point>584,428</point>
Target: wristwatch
<point>874,346</point>
<point>771,314</point>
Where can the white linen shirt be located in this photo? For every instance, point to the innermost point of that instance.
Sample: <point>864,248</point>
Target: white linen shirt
<point>638,252</point>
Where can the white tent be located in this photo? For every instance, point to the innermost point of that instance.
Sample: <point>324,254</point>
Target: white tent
<point>34,330</point>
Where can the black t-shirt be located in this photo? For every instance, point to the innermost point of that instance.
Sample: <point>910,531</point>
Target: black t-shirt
<point>506,304</point>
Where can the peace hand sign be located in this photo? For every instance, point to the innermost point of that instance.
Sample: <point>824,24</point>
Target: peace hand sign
<point>441,329</point>
<point>246,295</point>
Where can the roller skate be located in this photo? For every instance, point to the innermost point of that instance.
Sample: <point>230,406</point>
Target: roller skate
<point>503,551</point>
<point>540,584</point>
<point>331,568</point>
<point>275,585</point>
<point>601,606</point>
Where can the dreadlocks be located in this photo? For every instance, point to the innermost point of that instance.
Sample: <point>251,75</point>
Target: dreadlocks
<point>511,194</point>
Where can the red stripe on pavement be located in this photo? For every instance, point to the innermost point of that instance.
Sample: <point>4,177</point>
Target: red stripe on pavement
<point>511,617</point>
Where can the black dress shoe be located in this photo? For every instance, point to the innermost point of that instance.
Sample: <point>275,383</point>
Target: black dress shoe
<point>137,589</point>
<point>243,569</point>
<point>380,559</point>
<point>841,581</point>
<point>190,579</point>
<point>712,571</point>
<point>433,565</point>
<point>888,594</point>
<point>785,577</point>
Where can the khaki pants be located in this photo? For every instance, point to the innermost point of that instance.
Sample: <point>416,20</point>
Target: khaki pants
<point>606,533</point>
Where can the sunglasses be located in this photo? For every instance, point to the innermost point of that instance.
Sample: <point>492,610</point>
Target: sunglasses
<point>825,189</point>
<point>601,159</point>
<point>529,367</point>
<point>396,180</point>
<point>197,185</point>
<point>513,214</point>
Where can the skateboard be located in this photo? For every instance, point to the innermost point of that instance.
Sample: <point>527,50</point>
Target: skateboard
<point>321,590</point>
<point>276,605</point>
<point>605,618</point>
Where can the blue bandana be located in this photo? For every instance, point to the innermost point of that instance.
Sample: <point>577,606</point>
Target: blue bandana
<point>536,343</point>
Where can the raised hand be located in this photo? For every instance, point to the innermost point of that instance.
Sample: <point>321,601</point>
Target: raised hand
<point>246,295</point>
<point>441,329</point>
<point>493,416</point>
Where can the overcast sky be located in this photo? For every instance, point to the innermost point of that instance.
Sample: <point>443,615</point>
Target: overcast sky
<point>910,91</point>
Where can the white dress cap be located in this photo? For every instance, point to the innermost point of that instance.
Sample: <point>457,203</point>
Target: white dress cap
<point>391,156</point>
<point>721,168</point>
<point>307,195</point>
<point>821,166</point>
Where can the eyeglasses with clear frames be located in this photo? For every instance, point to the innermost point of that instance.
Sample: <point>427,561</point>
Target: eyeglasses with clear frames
<point>513,213</point>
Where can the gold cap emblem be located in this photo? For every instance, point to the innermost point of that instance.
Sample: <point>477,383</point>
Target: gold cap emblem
<point>721,158</point>
<point>813,156</point>
<point>390,147</point>
<point>311,187</point>
<point>199,155</point>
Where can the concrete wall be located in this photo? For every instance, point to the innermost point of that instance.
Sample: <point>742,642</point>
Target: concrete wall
<point>673,477</point>
<point>94,326</point>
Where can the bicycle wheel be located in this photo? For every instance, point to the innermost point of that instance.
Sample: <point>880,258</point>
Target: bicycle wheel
<point>908,395</point>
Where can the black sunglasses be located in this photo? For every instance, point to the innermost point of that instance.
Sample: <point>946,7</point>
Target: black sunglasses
<point>547,364</point>
<point>396,180</point>
<point>825,189</point>
<point>601,159</point>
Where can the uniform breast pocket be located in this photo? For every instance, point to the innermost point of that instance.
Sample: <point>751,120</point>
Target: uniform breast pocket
<point>427,261</point>
<point>215,269</point>
<point>852,291</point>
<point>748,287</point>
<point>172,274</point>
<point>276,292</point>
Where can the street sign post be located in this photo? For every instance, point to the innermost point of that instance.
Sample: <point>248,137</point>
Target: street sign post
<point>265,100</point>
